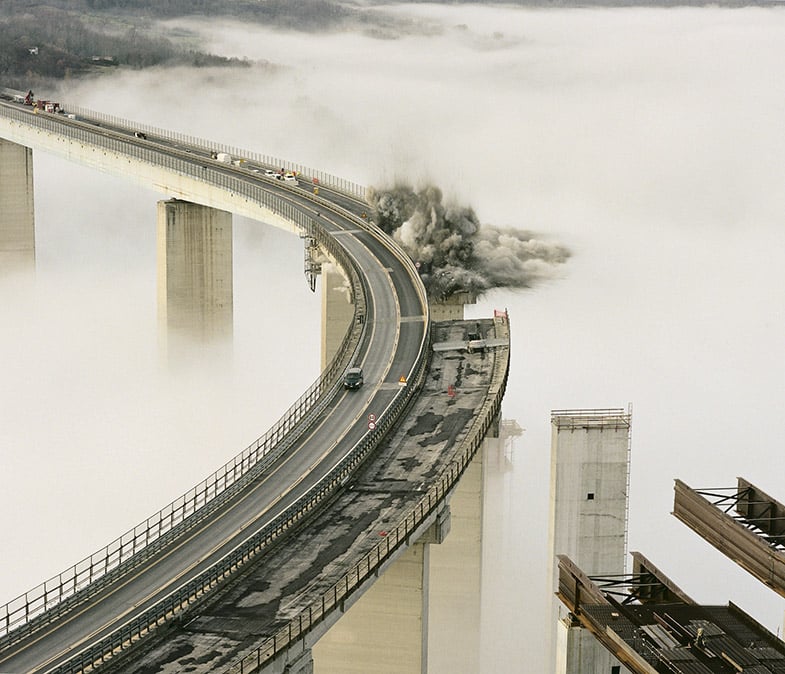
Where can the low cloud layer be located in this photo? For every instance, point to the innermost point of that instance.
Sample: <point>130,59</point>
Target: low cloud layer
<point>454,251</point>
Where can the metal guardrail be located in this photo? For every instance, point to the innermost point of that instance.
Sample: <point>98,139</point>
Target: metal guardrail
<point>190,592</point>
<point>372,562</point>
<point>68,588</point>
<point>325,179</point>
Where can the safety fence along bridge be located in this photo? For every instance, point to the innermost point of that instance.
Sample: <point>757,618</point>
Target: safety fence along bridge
<point>322,503</point>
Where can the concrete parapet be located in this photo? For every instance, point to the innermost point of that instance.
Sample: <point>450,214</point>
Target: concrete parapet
<point>305,593</point>
<point>142,172</point>
<point>456,579</point>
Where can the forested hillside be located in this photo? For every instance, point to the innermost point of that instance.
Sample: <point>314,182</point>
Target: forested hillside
<point>61,39</point>
<point>57,39</point>
<point>69,38</point>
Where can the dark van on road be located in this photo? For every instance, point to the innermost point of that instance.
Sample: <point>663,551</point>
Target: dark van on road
<point>353,378</point>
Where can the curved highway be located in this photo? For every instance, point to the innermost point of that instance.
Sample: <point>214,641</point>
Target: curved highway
<point>392,345</point>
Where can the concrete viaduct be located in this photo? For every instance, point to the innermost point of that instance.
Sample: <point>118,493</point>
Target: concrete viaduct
<point>336,506</point>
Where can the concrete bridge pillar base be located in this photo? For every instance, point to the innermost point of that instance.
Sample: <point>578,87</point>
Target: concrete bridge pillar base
<point>17,217</point>
<point>386,631</point>
<point>337,310</point>
<point>437,532</point>
<point>302,664</point>
<point>456,580</point>
<point>195,301</point>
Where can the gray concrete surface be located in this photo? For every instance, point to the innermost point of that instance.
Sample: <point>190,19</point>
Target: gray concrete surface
<point>290,577</point>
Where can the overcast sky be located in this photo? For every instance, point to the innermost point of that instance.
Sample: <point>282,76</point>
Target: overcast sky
<point>650,142</point>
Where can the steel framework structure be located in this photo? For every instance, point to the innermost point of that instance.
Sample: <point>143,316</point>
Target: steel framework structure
<point>753,536</point>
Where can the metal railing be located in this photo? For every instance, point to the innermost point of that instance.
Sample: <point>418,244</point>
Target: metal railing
<point>191,592</point>
<point>371,563</point>
<point>62,592</point>
<point>44,600</point>
<point>326,179</point>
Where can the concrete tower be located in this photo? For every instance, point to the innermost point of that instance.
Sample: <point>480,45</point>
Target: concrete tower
<point>17,220</point>
<point>590,458</point>
<point>451,308</point>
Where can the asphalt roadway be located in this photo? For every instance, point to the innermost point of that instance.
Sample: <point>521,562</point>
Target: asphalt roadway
<point>284,581</point>
<point>395,325</point>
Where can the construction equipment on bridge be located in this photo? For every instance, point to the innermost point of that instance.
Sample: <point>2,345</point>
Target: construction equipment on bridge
<point>312,266</point>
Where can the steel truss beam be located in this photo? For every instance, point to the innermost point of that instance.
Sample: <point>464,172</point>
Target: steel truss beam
<point>753,536</point>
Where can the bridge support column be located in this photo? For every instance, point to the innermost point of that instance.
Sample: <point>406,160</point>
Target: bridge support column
<point>303,664</point>
<point>195,301</point>
<point>17,217</point>
<point>386,631</point>
<point>456,580</point>
<point>590,454</point>
<point>337,310</point>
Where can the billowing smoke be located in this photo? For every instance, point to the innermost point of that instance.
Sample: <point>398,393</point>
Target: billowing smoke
<point>454,252</point>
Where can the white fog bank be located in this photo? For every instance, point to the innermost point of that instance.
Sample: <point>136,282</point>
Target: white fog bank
<point>650,142</point>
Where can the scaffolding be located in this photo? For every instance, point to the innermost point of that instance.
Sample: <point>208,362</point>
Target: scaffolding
<point>615,417</point>
<point>312,265</point>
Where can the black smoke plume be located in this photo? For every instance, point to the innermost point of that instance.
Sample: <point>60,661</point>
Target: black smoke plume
<point>454,252</point>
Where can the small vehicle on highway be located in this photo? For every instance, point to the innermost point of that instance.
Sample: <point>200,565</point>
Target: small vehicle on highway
<point>353,379</point>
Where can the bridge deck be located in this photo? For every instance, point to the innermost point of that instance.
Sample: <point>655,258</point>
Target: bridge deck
<point>291,577</point>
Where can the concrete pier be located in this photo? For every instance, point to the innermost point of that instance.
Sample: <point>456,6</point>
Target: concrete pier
<point>386,631</point>
<point>456,579</point>
<point>590,453</point>
<point>337,310</point>
<point>195,302</point>
<point>303,664</point>
<point>451,308</point>
<point>17,217</point>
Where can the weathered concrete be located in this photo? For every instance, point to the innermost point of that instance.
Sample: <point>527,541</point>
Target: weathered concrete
<point>337,310</point>
<point>456,578</point>
<point>395,606</point>
<point>148,175</point>
<point>17,218</point>
<point>195,301</point>
<point>291,577</point>
<point>299,663</point>
<point>589,478</point>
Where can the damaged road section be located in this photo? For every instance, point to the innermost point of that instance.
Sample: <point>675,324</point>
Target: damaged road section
<point>297,590</point>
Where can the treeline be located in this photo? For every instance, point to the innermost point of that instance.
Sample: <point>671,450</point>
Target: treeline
<point>53,41</point>
<point>299,14</point>
<point>69,38</point>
